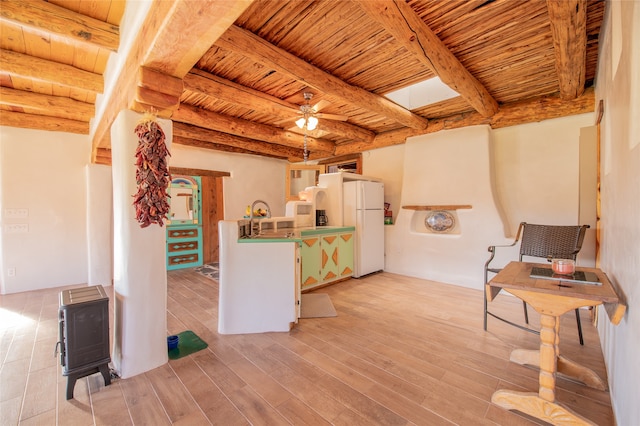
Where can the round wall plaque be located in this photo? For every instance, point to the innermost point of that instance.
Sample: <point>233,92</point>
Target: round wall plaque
<point>440,221</point>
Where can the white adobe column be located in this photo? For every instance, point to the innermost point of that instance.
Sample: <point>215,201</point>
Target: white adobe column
<point>139,261</point>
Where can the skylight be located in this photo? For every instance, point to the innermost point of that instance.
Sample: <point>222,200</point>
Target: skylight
<point>424,93</point>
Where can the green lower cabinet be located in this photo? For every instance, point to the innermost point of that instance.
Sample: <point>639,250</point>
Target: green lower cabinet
<point>184,247</point>
<point>345,254</point>
<point>325,258</point>
<point>310,259</point>
<point>329,258</point>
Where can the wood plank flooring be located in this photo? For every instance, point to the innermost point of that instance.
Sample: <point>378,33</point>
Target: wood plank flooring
<point>401,351</point>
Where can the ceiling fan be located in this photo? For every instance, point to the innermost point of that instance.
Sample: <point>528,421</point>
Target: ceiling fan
<point>309,114</point>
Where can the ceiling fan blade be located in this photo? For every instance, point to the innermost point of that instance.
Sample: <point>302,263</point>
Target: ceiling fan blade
<point>321,104</point>
<point>336,117</point>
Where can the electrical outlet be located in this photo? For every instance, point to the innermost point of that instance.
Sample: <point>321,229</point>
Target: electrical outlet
<point>16,213</point>
<point>11,272</point>
<point>16,228</point>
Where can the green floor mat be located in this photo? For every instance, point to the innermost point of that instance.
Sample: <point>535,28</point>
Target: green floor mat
<point>189,343</point>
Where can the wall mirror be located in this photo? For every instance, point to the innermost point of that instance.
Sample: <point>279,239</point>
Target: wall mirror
<point>299,177</point>
<point>183,201</point>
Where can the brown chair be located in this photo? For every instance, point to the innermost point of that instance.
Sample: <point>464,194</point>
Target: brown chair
<point>545,241</point>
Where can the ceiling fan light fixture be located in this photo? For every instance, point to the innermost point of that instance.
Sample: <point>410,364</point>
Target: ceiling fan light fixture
<point>312,123</point>
<point>300,122</point>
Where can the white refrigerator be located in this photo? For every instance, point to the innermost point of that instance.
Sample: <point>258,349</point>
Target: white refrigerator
<point>363,203</point>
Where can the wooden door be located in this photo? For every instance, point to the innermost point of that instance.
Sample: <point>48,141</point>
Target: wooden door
<point>212,212</point>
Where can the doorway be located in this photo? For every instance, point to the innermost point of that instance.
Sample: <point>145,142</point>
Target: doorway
<point>212,205</point>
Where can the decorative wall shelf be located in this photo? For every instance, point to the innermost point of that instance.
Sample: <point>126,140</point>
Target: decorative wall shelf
<point>443,207</point>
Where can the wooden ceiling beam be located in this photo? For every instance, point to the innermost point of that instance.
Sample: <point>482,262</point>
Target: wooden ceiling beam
<point>207,84</point>
<point>258,49</point>
<point>103,156</point>
<point>158,101</point>
<point>159,82</point>
<point>349,131</point>
<point>399,19</point>
<point>27,66</point>
<point>248,129</point>
<point>187,171</point>
<point>197,26</point>
<point>512,114</point>
<point>544,108</point>
<point>43,122</point>
<point>143,108</point>
<point>568,20</point>
<point>181,140</point>
<point>156,93</point>
<point>51,19</point>
<point>213,136</point>
<point>47,104</point>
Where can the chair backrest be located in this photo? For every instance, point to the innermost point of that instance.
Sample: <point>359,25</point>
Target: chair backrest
<point>551,241</point>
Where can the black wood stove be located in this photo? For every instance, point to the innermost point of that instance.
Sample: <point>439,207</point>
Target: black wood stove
<point>84,334</point>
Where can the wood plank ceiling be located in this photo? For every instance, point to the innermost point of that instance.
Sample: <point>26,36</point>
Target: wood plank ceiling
<point>231,75</point>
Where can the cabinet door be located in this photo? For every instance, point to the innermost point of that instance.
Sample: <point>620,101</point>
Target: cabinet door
<point>310,258</point>
<point>345,254</point>
<point>329,258</point>
<point>184,247</point>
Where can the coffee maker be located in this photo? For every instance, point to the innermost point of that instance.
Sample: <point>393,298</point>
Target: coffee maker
<point>321,218</point>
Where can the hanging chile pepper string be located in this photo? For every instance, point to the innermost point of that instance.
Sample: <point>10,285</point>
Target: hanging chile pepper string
<point>152,173</point>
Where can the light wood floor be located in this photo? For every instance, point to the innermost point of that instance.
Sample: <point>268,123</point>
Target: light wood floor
<point>401,351</point>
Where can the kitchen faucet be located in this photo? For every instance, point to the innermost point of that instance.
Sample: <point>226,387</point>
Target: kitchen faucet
<point>251,214</point>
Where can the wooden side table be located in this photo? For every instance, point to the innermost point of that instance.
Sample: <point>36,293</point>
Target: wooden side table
<point>551,298</point>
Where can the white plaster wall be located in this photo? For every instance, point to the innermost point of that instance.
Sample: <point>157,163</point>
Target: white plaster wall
<point>443,168</point>
<point>44,172</point>
<point>533,170</point>
<point>587,212</point>
<point>252,177</point>
<point>618,84</point>
<point>387,163</point>
<point>61,190</point>
<point>537,177</point>
<point>537,170</point>
<point>99,225</point>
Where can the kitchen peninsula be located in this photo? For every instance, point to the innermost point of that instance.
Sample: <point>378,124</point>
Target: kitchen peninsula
<point>261,277</point>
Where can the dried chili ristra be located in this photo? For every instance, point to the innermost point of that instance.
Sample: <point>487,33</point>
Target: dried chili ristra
<point>152,173</point>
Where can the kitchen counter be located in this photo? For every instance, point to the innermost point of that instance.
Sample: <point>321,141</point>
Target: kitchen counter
<point>260,284</point>
<point>317,230</point>
<point>288,235</point>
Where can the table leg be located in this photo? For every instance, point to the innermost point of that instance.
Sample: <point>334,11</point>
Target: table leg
<point>583,374</point>
<point>549,342</point>
<point>542,405</point>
